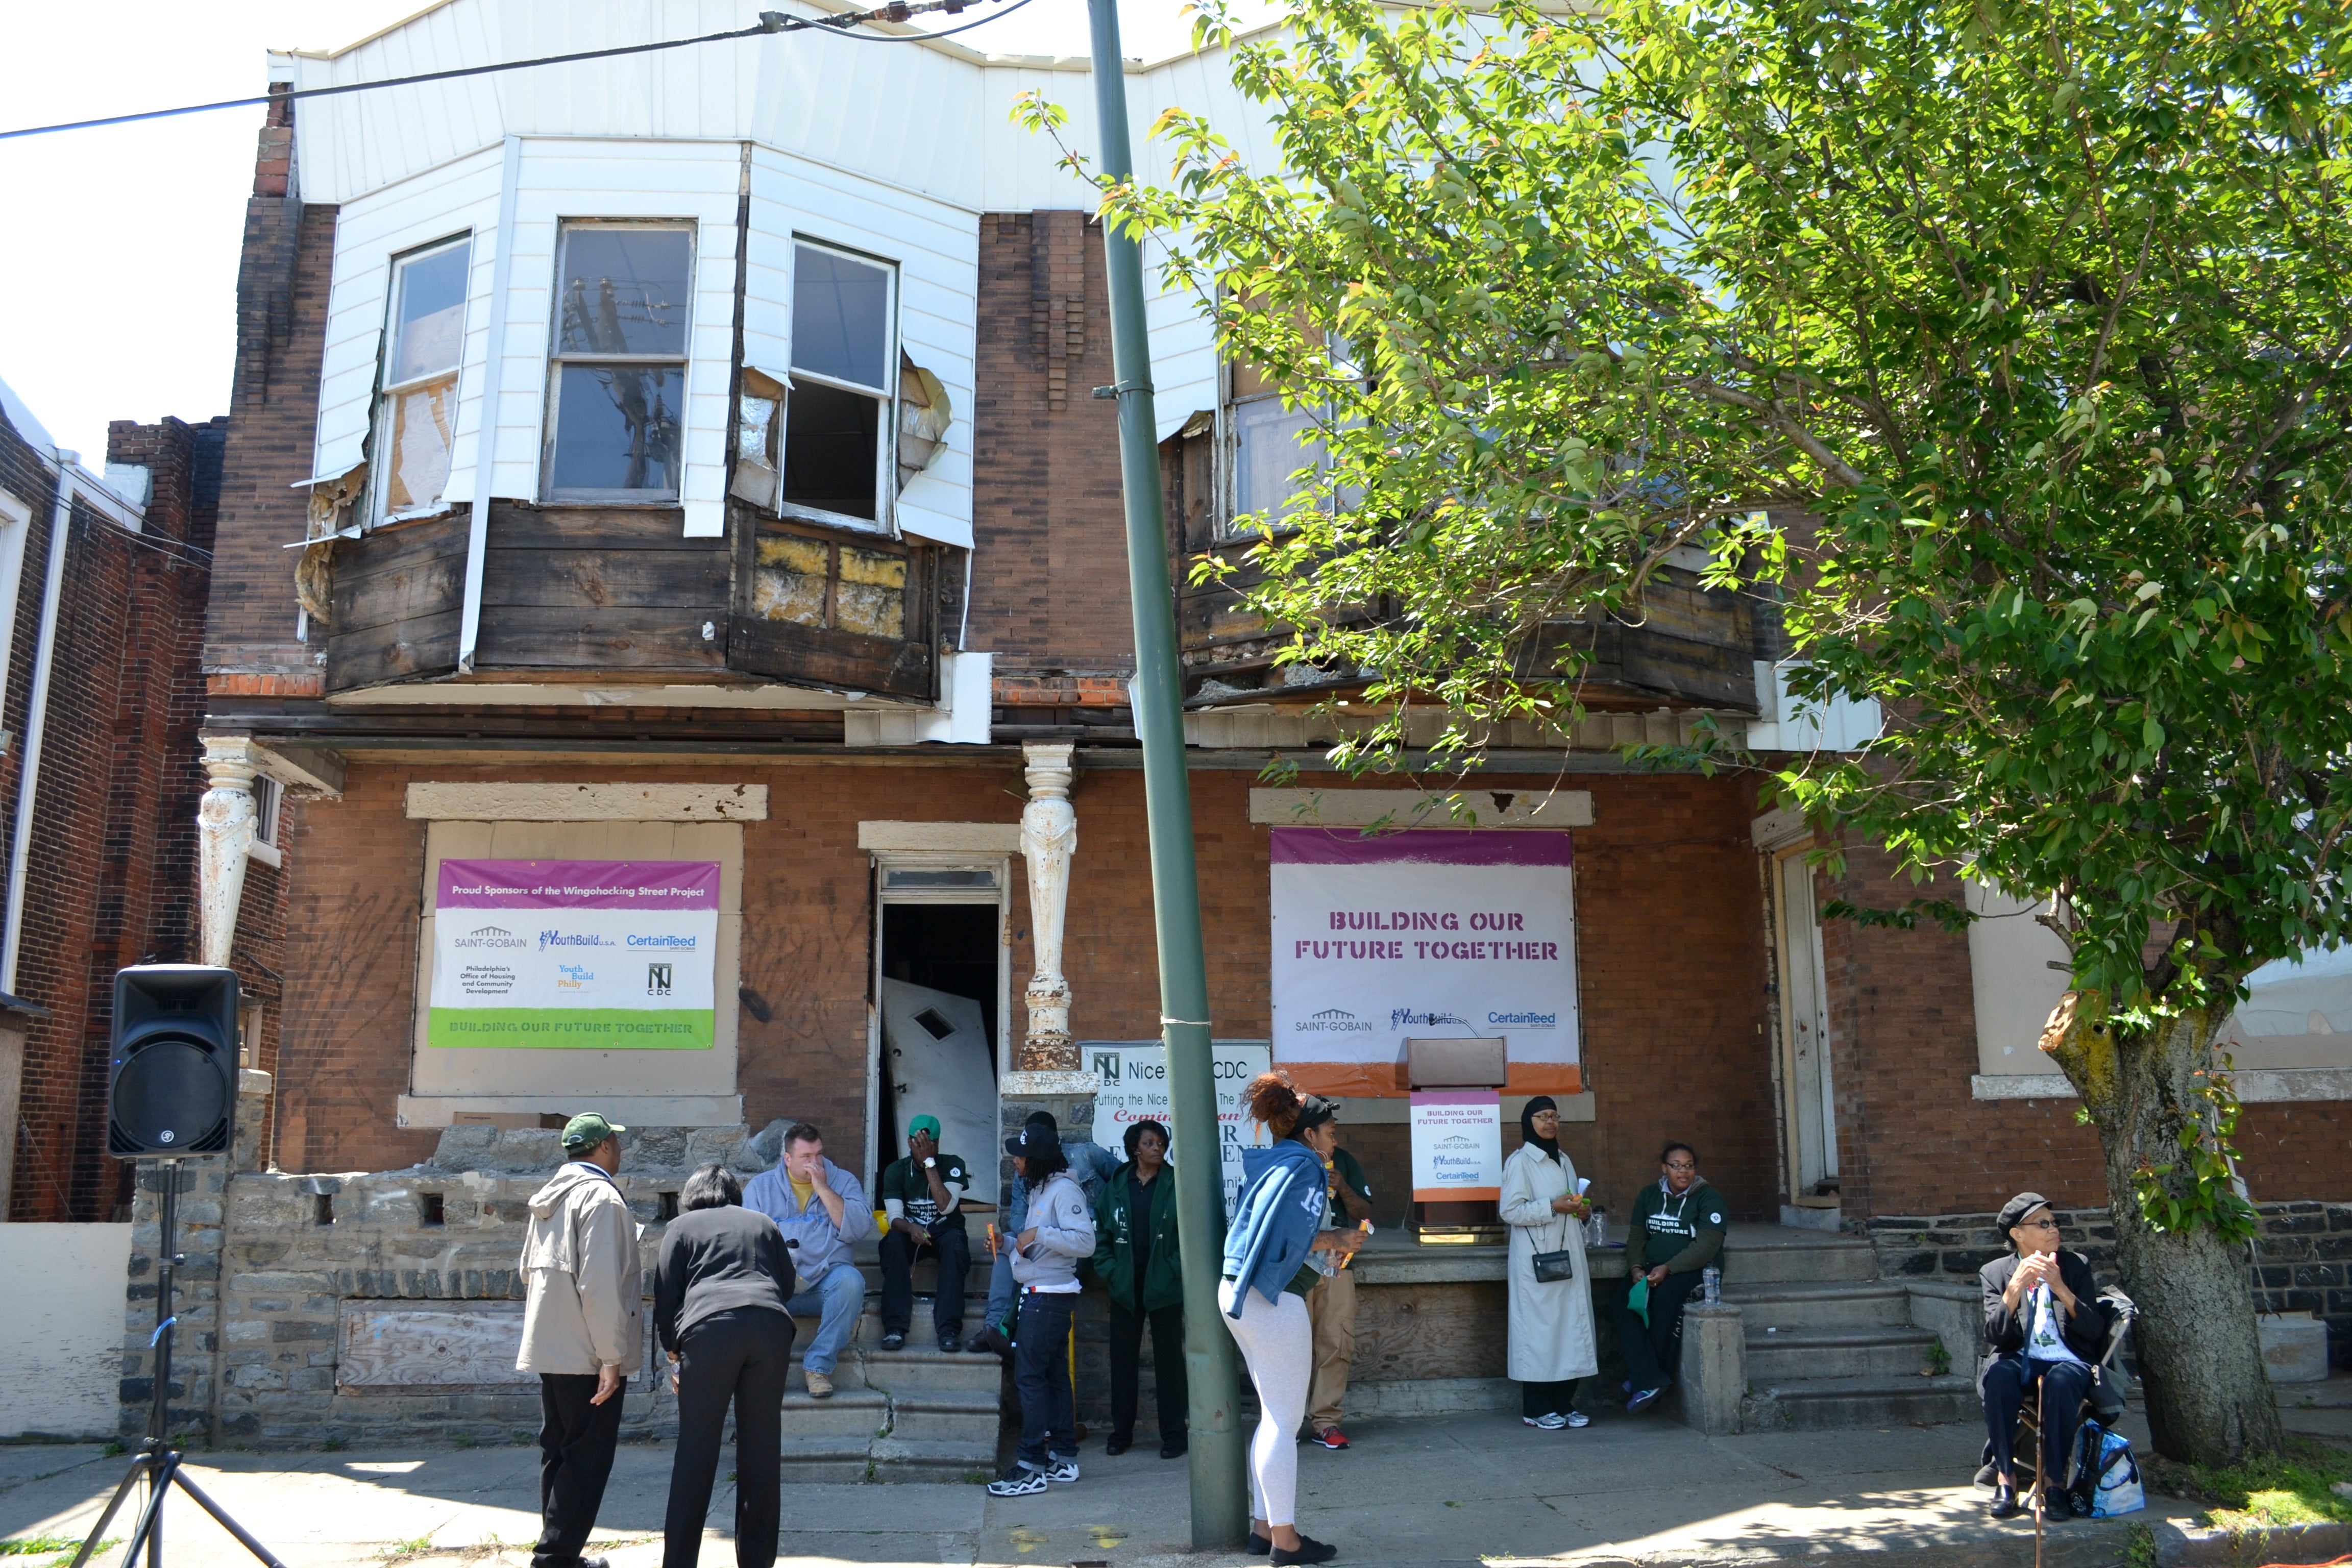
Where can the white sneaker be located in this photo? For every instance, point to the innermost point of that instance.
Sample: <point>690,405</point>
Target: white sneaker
<point>1549,1421</point>
<point>1061,1469</point>
<point>1576,1418</point>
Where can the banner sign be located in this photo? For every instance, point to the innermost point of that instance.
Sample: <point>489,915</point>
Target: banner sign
<point>1135,1088</point>
<point>1457,1146</point>
<point>582,954</point>
<point>1427,931</point>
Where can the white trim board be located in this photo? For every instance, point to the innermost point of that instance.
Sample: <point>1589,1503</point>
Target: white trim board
<point>941,837</point>
<point>2255,1086</point>
<point>497,802</point>
<point>1421,808</point>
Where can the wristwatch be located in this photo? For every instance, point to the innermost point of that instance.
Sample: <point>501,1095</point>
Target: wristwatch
<point>930,1161</point>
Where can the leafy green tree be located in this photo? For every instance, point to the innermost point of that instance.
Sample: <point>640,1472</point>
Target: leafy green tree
<point>2011,346</point>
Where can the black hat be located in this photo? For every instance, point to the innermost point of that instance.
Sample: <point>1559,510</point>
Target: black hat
<point>2013,1213</point>
<point>1034,1141</point>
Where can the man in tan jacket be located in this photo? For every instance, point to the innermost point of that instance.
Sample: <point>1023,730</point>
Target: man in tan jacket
<point>582,1332</point>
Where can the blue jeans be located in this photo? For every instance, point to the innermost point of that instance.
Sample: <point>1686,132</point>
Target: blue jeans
<point>1041,1377</point>
<point>835,1300</point>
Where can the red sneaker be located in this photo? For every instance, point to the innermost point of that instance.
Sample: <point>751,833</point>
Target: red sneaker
<point>1331,1438</point>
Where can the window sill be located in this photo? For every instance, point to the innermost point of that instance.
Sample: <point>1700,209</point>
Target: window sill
<point>638,501</point>
<point>267,854</point>
<point>836,520</point>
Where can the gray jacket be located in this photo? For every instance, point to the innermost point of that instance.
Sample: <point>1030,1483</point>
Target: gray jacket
<point>1064,1225</point>
<point>587,1287</point>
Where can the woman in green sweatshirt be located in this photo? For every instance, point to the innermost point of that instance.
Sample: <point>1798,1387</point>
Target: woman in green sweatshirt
<point>1677,1230</point>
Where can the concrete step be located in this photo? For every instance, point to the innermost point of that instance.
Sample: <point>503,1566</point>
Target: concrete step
<point>826,1461</point>
<point>1804,1258</point>
<point>912,1372</point>
<point>1823,1306</point>
<point>1793,1354</point>
<point>853,1413</point>
<point>926,1275</point>
<point>946,1418</point>
<point>1829,1403</point>
<point>936,1461</point>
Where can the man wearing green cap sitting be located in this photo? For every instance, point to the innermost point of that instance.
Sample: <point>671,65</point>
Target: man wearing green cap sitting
<point>919,1195</point>
<point>582,1332</point>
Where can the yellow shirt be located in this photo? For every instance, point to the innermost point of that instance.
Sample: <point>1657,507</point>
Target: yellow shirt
<point>803,1192</point>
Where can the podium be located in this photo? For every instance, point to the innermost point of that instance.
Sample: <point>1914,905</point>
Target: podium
<point>1456,1087</point>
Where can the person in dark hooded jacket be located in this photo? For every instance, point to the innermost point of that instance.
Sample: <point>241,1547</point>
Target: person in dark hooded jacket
<point>1136,1255</point>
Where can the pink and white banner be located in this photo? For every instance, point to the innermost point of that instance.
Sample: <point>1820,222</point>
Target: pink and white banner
<point>587,954</point>
<point>1430,931</point>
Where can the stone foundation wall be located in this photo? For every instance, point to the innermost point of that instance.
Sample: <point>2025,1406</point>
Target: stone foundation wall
<point>2302,1261</point>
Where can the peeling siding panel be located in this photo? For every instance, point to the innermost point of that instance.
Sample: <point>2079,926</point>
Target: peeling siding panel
<point>369,232</point>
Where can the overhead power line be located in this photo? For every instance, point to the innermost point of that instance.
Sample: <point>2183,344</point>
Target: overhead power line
<point>770,22</point>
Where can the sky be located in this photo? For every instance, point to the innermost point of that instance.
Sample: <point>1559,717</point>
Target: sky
<point>122,255</point>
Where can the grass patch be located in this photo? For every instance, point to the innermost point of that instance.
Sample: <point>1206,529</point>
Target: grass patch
<point>2289,1487</point>
<point>58,1549</point>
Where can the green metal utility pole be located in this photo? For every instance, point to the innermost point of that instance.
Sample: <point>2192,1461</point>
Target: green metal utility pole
<point>1219,1450</point>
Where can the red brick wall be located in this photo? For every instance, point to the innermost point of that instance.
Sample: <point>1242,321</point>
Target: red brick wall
<point>1670,940</point>
<point>109,878</point>
<point>281,329</point>
<point>1050,584</point>
<point>1903,1045</point>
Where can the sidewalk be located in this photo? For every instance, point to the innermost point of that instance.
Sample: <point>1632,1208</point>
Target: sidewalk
<point>1451,1490</point>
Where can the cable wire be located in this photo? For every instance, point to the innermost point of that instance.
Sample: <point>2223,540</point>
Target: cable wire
<point>770,22</point>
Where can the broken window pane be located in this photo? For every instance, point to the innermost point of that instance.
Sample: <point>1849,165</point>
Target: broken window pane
<point>619,428</point>
<point>417,469</point>
<point>624,290</point>
<point>841,317</point>
<point>429,316</point>
<point>1270,443</point>
<point>832,449</point>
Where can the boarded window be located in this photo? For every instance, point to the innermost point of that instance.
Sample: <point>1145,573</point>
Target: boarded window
<point>617,390</point>
<point>825,611</point>
<point>837,423</point>
<point>425,344</point>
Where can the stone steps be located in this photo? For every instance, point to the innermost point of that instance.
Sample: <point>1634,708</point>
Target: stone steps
<point>1828,1259</point>
<point>912,1414</point>
<point>1877,1351</point>
<point>1836,1305</point>
<point>1826,1403</point>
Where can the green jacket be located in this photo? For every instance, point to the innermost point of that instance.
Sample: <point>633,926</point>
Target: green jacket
<point>1683,1233</point>
<point>1115,1221</point>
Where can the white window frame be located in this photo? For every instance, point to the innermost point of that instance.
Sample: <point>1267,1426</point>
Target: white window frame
<point>886,471</point>
<point>1228,468</point>
<point>268,809</point>
<point>388,390</point>
<point>557,359</point>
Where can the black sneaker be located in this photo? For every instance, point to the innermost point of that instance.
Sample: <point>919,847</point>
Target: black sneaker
<point>1309,1551</point>
<point>1018,1481</point>
<point>1258,1544</point>
<point>950,1341</point>
<point>894,1341</point>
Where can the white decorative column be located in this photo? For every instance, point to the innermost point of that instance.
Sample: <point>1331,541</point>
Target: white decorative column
<point>1049,836</point>
<point>224,828</point>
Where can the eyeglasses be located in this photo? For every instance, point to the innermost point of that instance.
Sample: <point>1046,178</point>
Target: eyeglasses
<point>1680,1166</point>
<point>2044,1223</point>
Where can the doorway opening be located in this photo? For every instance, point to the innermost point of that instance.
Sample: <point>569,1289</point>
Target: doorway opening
<point>942,967</point>
<point>1809,1100</point>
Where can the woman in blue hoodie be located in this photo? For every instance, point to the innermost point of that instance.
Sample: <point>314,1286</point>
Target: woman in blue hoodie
<point>1276,1223</point>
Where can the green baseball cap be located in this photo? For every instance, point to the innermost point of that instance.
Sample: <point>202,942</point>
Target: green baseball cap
<point>929,1124</point>
<point>587,1130</point>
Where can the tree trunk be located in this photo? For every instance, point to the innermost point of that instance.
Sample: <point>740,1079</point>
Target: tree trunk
<point>2207,1392</point>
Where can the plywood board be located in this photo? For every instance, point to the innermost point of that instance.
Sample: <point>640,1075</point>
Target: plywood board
<point>61,1291</point>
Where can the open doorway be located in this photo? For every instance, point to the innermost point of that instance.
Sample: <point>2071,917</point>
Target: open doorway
<point>940,991</point>
<point>1809,1099</point>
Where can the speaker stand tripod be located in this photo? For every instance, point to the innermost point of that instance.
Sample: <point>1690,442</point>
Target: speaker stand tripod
<point>158,1462</point>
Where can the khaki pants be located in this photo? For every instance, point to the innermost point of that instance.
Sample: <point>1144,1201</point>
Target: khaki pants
<point>1332,1310</point>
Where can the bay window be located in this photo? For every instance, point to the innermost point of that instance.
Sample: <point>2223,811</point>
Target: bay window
<point>616,382</point>
<point>838,427</point>
<point>417,413</point>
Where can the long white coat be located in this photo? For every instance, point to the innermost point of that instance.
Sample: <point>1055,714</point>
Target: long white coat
<point>1552,1324</point>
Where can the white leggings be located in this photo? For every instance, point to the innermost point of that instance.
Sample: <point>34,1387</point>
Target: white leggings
<point>1279,1345</point>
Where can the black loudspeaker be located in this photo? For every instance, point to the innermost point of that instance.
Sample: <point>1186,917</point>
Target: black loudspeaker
<point>171,1088</point>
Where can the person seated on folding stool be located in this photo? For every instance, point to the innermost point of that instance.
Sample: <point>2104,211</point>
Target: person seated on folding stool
<point>2044,1331</point>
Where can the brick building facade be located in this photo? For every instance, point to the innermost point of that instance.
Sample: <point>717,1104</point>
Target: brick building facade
<point>106,678</point>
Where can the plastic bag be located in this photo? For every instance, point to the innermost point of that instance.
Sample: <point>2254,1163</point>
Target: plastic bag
<point>2107,1474</point>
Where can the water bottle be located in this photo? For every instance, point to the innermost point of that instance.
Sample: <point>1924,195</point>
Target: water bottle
<point>1599,1227</point>
<point>1710,1284</point>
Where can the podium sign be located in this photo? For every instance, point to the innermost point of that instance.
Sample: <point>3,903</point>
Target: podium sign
<point>1457,1146</point>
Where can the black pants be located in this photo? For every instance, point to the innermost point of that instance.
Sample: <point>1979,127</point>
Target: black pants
<point>953,1249</point>
<point>2008,1388</point>
<point>1168,1390</point>
<point>1041,1377</point>
<point>739,1355</point>
<point>575,1458</point>
<point>1547,1398</point>
<point>1653,1352</point>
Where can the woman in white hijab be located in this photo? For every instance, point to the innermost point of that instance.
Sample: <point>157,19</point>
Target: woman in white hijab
<point>1551,1320</point>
